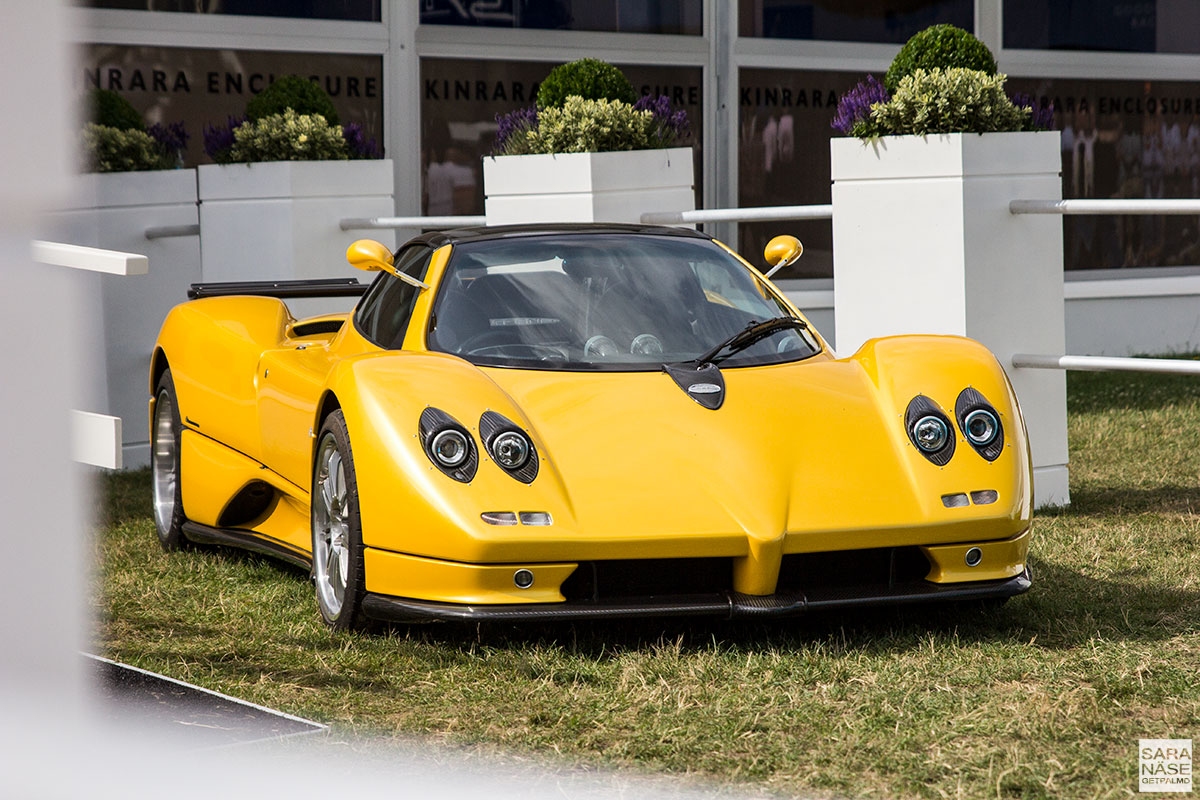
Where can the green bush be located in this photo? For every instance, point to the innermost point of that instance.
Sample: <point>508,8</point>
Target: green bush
<point>288,137</point>
<point>109,149</point>
<point>113,111</point>
<point>291,91</point>
<point>939,47</point>
<point>586,126</point>
<point>952,100</point>
<point>588,78</point>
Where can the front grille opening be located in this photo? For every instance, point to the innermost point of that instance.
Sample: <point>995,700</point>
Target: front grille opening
<point>883,566</point>
<point>608,580</point>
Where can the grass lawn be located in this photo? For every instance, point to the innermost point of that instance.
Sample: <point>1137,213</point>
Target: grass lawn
<point>1046,696</point>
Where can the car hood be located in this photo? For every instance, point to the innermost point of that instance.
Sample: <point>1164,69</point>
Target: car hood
<point>806,448</point>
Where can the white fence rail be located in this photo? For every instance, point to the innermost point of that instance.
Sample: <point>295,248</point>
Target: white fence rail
<point>92,259</point>
<point>387,223</point>
<point>1174,366</point>
<point>1114,206</point>
<point>760,214</point>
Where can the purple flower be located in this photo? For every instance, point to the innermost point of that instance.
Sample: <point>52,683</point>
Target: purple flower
<point>358,143</point>
<point>1042,116</point>
<point>670,126</point>
<point>523,119</point>
<point>854,106</point>
<point>218,139</point>
<point>172,138</point>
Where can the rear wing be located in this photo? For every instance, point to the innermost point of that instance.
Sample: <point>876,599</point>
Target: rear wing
<point>325,287</point>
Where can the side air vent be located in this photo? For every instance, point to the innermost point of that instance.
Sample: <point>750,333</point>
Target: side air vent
<point>248,505</point>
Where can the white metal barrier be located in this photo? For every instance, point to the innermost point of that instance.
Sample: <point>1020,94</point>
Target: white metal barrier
<point>1173,366</point>
<point>95,438</point>
<point>761,214</point>
<point>1121,206</point>
<point>377,223</point>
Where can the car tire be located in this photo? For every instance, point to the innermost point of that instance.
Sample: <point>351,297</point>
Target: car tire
<point>337,547</point>
<point>165,432</point>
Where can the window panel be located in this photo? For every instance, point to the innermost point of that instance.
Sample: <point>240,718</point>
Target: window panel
<point>884,21</point>
<point>1137,26</point>
<point>461,98</point>
<point>204,87</point>
<point>623,16</point>
<point>360,10</point>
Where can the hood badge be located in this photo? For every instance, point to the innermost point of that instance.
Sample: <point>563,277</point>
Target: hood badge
<point>704,383</point>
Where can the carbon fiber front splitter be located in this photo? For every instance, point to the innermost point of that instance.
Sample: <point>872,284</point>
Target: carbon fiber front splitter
<point>719,604</point>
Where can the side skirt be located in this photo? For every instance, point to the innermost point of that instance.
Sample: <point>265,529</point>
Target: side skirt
<point>246,540</point>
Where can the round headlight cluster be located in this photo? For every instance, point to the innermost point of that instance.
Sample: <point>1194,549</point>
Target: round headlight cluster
<point>450,448</point>
<point>981,427</point>
<point>510,449</point>
<point>930,433</point>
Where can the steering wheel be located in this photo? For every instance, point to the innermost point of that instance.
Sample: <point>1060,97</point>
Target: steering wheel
<point>540,352</point>
<point>484,339</point>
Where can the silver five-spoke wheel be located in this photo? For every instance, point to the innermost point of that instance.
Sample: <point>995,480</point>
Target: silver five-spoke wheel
<point>331,528</point>
<point>164,465</point>
<point>337,567</point>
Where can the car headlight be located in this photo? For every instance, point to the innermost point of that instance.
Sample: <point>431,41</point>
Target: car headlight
<point>448,444</point>
<point>510,449</point>
<point>980,423</point>
<point>509,446</point>
<point>929,430</point>
<point>930,434</point>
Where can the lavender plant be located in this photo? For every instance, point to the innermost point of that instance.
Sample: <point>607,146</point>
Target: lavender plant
<point>1040,118</point>
<point>511,130</point>
<point>172,140</point>
<point>854,107</point>
<point>357,143</point>
<point>669,125</point>
<point>219,139</point>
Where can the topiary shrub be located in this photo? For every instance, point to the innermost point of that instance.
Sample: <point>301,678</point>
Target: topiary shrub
<point>291,91</point>
<point>588,78</point>
<point>113,111</point>
<point>939,47</point>
<point>288,137</point>
<point>109,149</point>
<point>952,100</point>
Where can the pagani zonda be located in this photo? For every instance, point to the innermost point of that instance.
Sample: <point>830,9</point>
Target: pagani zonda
<point>571,421</point>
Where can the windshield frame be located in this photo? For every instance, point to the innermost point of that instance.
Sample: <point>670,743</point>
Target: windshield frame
<point>813,343</point>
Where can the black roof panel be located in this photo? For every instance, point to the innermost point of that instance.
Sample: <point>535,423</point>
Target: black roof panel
<point>477,234</point>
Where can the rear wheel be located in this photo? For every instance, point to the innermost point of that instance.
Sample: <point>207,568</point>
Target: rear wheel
<point>164,465</point>
<point>336,529</point>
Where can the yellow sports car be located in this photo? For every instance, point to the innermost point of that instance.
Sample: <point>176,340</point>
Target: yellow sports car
<point>568,421</point>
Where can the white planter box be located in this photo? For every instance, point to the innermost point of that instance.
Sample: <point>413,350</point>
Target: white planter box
<point>923,242</point>
<point>279,220</point>
<point>587,187</point>
<point>113,211</point>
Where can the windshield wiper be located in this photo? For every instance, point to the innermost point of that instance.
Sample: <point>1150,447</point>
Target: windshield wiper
<point>754,332</point>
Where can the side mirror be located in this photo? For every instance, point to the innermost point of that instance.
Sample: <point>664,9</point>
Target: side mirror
<point>369,255</point>
<point>782,251</point>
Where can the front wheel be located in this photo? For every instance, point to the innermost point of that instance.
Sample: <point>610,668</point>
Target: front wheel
<point>336,529</point>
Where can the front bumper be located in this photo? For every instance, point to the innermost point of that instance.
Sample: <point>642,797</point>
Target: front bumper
<point>720,604</point>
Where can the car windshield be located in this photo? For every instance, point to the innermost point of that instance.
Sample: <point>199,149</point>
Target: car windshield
<point>604,302</point>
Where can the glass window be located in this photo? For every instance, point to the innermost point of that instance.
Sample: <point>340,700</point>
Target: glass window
<point>382,316</point>
<point>783,158</point>
<point>1139,26</point>
<point>603,302</point>
<point>205,87</point>
<point>361,10</point>
<point>461,98</point>
<point>1135,139</point>
<point>886,21</point>
<point>623,16</point>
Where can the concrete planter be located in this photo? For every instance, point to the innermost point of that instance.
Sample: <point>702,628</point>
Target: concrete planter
<point>923,242</point>
<point>114,211</point>
<point>279,220</point>
<point>587,187</point>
